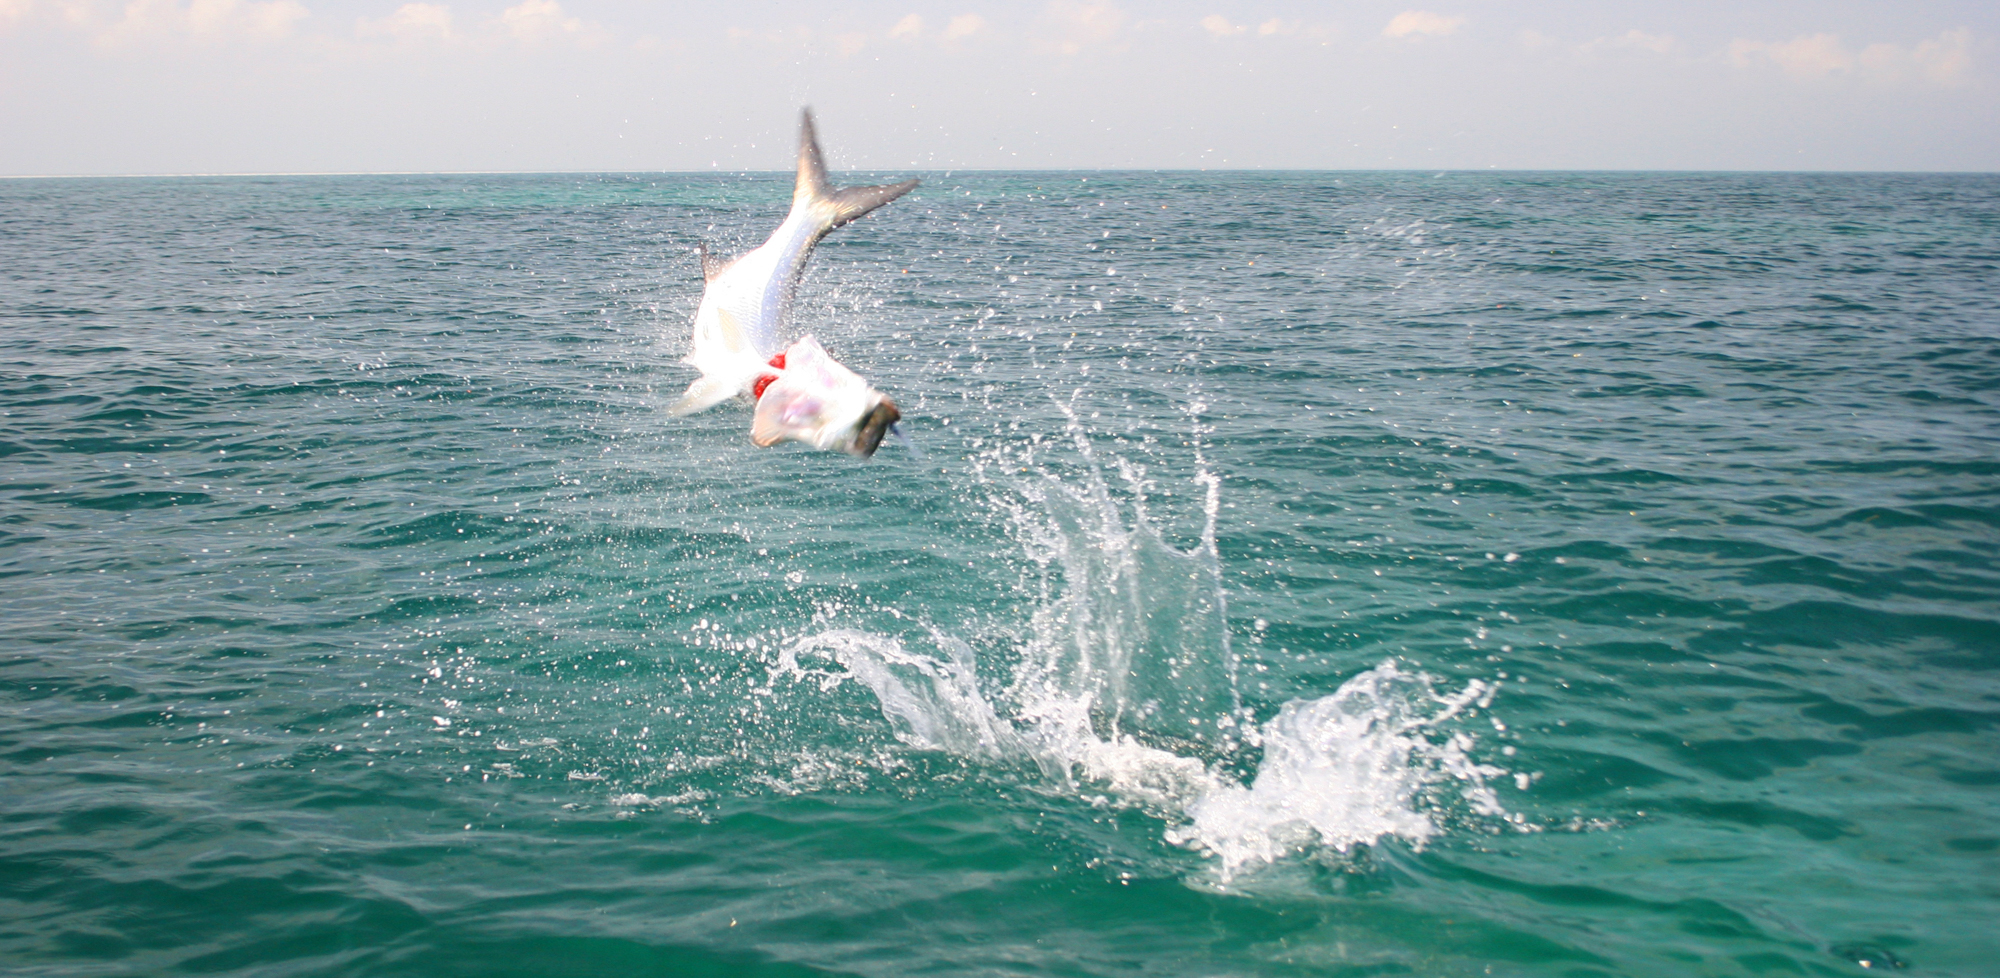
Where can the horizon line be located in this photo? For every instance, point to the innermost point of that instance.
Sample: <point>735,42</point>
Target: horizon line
<point>952,170</point>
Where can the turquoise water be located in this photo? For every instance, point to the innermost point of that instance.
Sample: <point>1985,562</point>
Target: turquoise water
<point>1297,574</point>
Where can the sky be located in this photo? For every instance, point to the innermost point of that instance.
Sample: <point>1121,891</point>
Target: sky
<point>343,86</point>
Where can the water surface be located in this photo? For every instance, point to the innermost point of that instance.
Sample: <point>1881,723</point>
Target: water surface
<point>1303,574</point>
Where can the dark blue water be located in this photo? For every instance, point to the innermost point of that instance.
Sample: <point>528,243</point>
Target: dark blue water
<point>1302,574</point>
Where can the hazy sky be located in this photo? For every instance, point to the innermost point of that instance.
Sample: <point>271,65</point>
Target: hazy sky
<point>241,86</point>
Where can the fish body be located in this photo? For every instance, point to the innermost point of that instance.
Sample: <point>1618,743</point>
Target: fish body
<point>745,303</point>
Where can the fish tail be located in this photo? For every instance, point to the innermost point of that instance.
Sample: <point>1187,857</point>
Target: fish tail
<point>834,206</point>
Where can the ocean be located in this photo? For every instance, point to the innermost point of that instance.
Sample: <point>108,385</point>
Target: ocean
<point>1352,574</point>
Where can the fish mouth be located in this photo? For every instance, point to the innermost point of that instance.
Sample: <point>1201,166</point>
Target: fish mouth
<point>869,430</point>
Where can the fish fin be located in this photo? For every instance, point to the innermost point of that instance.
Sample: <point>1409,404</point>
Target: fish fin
<point>814,189</point>
<point>812,184</point>
<point>852,202</point>
<point>711,266</point>
<point>723,376</point>
<point>706,392</point>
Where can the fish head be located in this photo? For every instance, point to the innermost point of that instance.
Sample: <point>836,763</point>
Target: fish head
<point>869,431</point>
<point>816,401</point>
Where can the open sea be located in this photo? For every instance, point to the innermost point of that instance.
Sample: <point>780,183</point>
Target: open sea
<point>1331,574</point>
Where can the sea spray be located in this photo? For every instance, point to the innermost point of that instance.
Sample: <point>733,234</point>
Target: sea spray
<point>1125,679</point>
<point>932,703</point>
<point>1346,769</point>
<point>1128,629</point>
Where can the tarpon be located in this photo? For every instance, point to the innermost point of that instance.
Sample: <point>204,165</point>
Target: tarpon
<point>744,307</point>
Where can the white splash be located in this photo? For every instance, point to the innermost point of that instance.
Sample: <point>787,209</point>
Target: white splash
<point>1345,769</point>
<point>933,704</point>
<point>1126,681</point>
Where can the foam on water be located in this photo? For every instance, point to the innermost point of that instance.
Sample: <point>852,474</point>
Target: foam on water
<point>1126,682</point>
<point>1346,769</point>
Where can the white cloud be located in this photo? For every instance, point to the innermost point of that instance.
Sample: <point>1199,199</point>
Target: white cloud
<point>207,20</point>
<point>13,12</point>
<point>911,30</point>
<point>964,25</point>
<point>540,20</point>
<point>1220,26</point>
<point>1812,56</point>
<point>1942,60</point>
<point>229,16</point>
<point>1069,27</point>
<point>1421,22</point>
<point>530,22</point>
<point>410,22</point>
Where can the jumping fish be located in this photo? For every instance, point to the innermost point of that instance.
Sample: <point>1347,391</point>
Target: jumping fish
<point>802,393</point>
